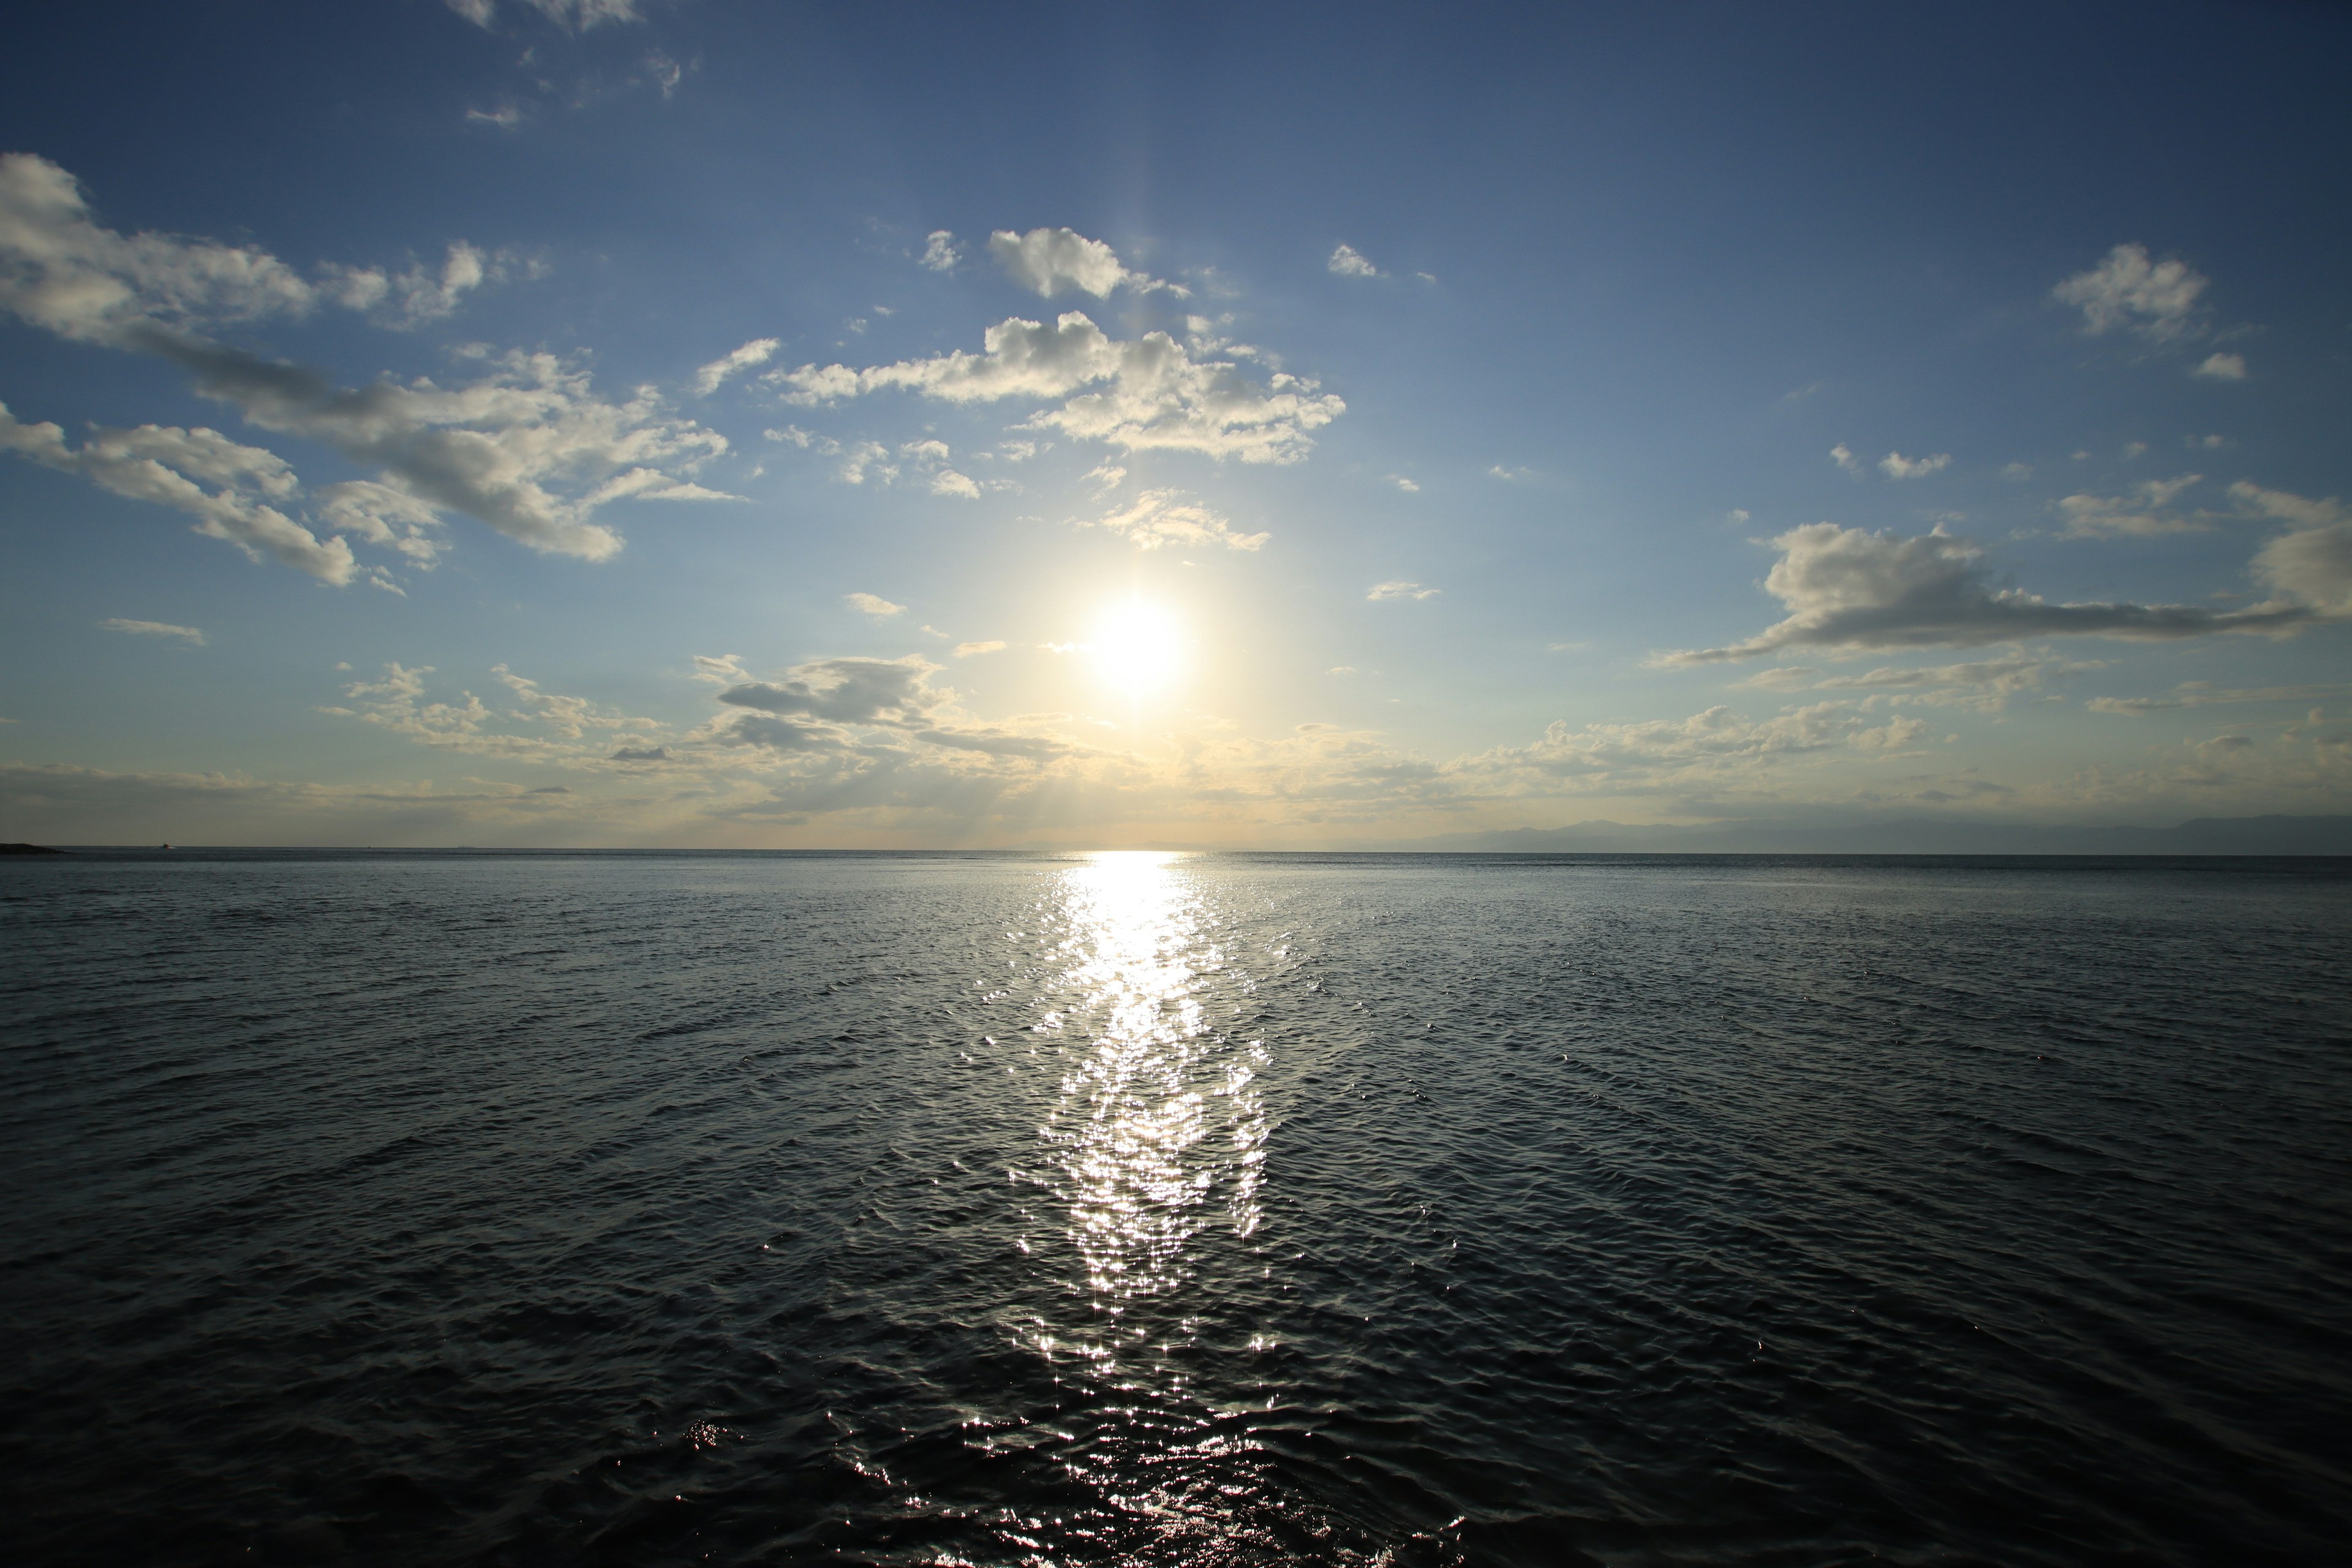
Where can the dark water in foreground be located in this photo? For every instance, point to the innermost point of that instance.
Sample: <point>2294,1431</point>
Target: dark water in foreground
<point>1161,1210</point>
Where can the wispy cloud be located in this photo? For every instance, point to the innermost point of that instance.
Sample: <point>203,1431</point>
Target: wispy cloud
<point>1398,588</point>
<point>153,629</point>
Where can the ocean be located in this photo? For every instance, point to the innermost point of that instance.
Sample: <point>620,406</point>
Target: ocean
<point>1143,1208</point>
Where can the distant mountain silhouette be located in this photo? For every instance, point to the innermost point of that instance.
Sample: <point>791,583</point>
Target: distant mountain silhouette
<point>1911,836</point>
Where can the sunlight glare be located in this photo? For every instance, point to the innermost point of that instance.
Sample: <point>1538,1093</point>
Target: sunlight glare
<point>1138,647</point>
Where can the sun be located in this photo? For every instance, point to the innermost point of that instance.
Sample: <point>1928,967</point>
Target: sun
<point>1137,648</point>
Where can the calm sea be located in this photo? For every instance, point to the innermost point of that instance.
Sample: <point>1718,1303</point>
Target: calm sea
<point>1164,1209</point>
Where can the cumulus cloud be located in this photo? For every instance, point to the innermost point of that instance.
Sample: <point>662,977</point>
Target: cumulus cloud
<point>1348,262</point>
<point>528,448</point>
<point>2155,299</point>
<point>2310,564</point>
<point>234,491</point>
<point>758,351</point>
<point>1400,589</point>
<point>1153,394</point>
<point>873,604</point>
<point>62,270</point>
<point>1406,484</point>
<point>2140,515</point>
<point>1851,589</point>
<point>413,296</point>
<point>1896,465</point>
<point>2223,367</point>
<point>1050,260</point>
<point>1842,456</point>
<point>153,629</point>
<point>939,252</point>
<point>1159,518</point>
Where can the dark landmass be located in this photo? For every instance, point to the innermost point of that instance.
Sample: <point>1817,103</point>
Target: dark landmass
<point>29,849</point>
<point>1918,836</point>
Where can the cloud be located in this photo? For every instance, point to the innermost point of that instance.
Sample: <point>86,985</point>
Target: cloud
<point>412,296</point>
<point>62,270</point>
<point>1896,465</point>
<point>845,690</point>
<point>2155,299</point>
<point>758,351</point>
<point>2222,367</point>
<point>1153,395</point>
<point>578,16</point>
<point>972,649</point>
<point>873,604</point>
<point>1050,261</point>
<point>1842,456</point>
<point>172,466</point>
<point>1348,262</point>
<point>640,754</point>
<point>1159,518</point>
<point>1985,685</point>
<point>530,448</point>
<point>1400,589</point>
<point>153,629</point>
<point>1848,588</point>
<point>2140,515</point>
<point>939,251</point>
<point>2312,564</point>
<point>1402,483</point>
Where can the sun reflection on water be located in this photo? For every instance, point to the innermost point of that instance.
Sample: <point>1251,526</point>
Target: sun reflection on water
<point>1158,1112</point>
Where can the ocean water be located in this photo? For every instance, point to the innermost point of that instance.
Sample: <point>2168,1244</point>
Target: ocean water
<point>1165,1209</point>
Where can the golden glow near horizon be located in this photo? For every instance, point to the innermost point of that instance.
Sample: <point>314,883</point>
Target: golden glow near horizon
<point>1138,648</point>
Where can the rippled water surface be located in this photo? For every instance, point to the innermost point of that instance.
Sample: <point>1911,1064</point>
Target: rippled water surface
<point>1153,1209</point>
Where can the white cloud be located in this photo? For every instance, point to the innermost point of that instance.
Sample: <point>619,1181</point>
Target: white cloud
<point>1510,476</point>
<point>2017,472</point>
<point>939,252</point>
<point>1842,456</point>
<point>530,449</point>
<point>392,519</point>
<point>2313,564</point>
<point>2156,299</point>
<point>1157,396</point>
<point>2223,367</point>
<point>153,629</point>
<point>2140,515</point>
<point>172,466</point>
<point>506,116</point>
<point>1400,589</point>
<point>758,351</point>
<point>1160,517</point>
<point>972,649</point>
<point>1348,262</point>
<point>579,15</point>
<point>1402,483</point>
<point>413,296</point>
<point>1050,261</point>
<point>1848,588</point>
<point>62,270</point>
<point>1896,465</point>
<point>1985,685</point>
<point>873,604</point>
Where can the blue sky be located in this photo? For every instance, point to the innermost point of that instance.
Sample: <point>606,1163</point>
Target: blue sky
<point>589,421</point>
